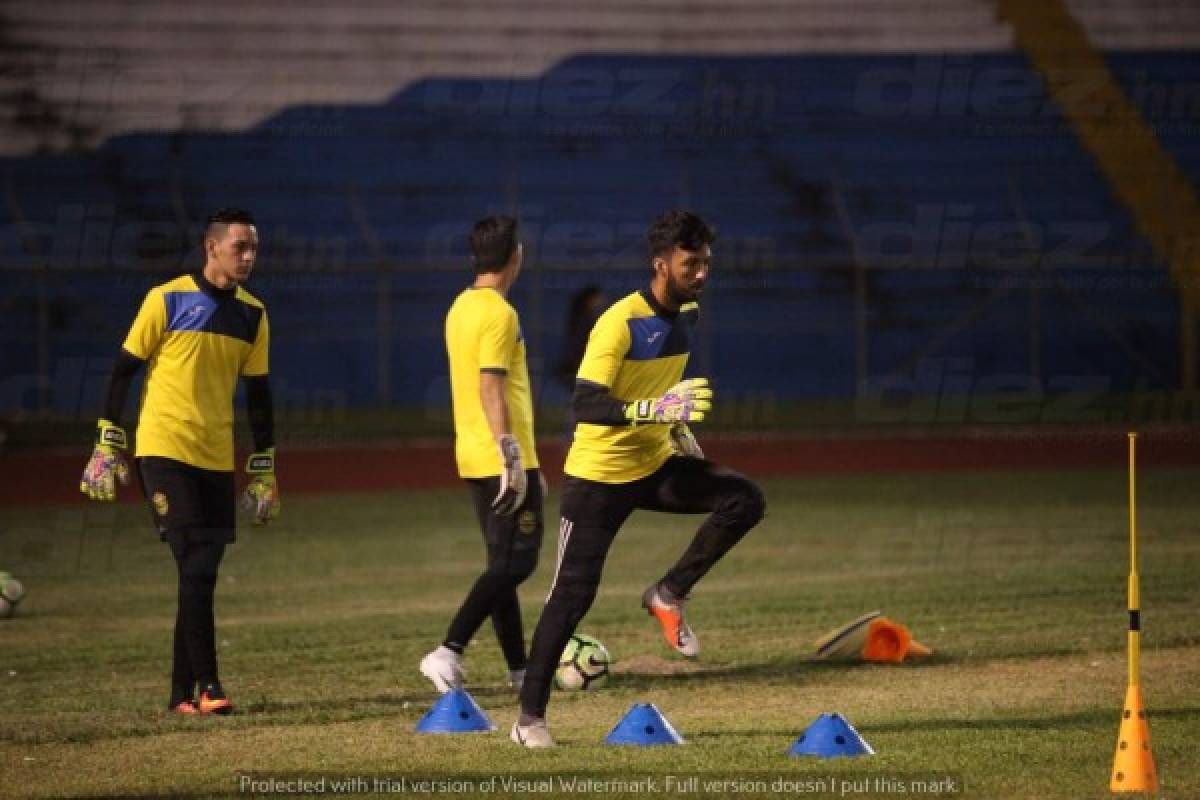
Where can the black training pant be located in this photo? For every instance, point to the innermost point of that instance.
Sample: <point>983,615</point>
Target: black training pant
<point>513,542</point>
<point>593,512</point>
<point>195,512</point>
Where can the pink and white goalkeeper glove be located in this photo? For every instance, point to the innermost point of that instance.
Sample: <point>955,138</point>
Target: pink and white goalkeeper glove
<point>262,493</point>
<point>686,401</point>
<point>107,464</point>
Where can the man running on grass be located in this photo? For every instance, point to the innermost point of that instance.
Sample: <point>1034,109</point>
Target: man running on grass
<point>633,450</point>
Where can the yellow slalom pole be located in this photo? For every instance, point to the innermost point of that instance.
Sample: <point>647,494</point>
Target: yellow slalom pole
<point>1135,604</point>
<point>1133,765</point>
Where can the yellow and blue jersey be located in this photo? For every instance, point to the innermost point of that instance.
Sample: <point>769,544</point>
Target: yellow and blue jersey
<point>197,340</point>
<point>636,350</point>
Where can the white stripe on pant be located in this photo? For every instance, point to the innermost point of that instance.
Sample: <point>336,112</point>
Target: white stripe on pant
<point>564,535</point>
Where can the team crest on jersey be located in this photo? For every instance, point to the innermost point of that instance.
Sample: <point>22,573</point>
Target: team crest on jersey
<point>527,522</point>
<point>161,506</point>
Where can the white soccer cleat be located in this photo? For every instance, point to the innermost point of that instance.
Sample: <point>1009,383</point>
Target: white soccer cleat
<point>516,679</point>
<point>535,734</point>
<point>444,668</point>
<point>670,616</point>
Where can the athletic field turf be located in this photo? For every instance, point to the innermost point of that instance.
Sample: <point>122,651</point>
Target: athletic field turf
<point>1016,578</point>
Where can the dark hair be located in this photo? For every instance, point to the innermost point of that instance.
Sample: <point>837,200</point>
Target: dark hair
<point>222,218</point>
<point>493,241</point>
<point>678,228</point>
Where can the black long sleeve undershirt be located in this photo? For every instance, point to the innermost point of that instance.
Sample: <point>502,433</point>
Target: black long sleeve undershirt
<point>124,370</point>
<point>261,411</point>
<point>595,405</point>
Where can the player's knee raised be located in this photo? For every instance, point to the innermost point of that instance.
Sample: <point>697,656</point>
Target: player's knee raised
<point>748,504</point>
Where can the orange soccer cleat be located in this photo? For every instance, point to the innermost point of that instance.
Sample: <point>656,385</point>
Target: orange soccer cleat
<point>214,701</point>
<point>674,626</point>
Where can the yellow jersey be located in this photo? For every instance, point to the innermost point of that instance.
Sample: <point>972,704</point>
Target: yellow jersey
<point>483,334</point>
<point>197,340</point>
<point>637,350</point>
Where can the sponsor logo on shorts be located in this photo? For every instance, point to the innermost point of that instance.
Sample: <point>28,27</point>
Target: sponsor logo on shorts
<point>527,522</point>
<point>159,501</point>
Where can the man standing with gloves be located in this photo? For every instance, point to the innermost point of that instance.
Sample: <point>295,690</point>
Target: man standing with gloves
<point>195,335</point>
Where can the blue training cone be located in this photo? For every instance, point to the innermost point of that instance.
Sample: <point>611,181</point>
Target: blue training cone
<point>644,725</point>
<point>830,736</point>
<point>455,712</point>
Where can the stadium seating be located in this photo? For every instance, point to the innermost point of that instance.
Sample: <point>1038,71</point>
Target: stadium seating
<point>367,145</point>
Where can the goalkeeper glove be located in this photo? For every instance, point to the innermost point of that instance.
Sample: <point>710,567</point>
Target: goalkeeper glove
<point>513,481</point>
<point>262,494</point>
<point>107,462</point>
<point>684,442</point>
<point>686,401</point>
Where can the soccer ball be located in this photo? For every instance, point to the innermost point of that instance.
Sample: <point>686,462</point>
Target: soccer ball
<point>584,664</point>
<point>11,593</point>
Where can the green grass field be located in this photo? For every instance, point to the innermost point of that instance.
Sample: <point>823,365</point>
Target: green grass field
<point>1017,579</point>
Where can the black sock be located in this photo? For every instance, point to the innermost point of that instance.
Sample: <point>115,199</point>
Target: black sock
<point>455,646</point>
<point>183,682</point>
<point>195,629</point>
<point>196,601</point>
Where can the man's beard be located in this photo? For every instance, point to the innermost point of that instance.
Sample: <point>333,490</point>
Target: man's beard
<point>679,293</point>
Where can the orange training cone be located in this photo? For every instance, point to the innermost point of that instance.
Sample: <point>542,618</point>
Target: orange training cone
<point>871,637</point>
<point>890,642</point>
<point>1133,765</point>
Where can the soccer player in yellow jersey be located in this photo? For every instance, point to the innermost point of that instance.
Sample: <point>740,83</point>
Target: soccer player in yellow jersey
<point>494,447</point>
<point>195,335</point>
<point>633,450</point>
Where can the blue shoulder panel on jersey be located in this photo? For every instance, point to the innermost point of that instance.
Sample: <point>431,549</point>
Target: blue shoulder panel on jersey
<point>189,311</point>
<point>655,337</point>
<point>202,313</point>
